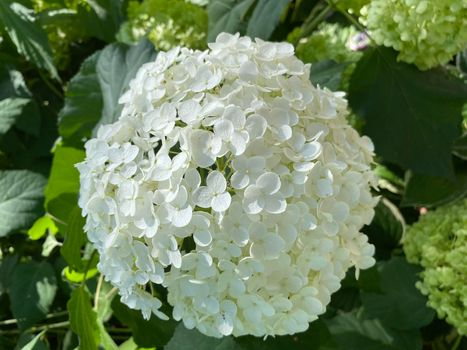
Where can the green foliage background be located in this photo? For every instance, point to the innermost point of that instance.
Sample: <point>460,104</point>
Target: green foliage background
<point>63,66</point>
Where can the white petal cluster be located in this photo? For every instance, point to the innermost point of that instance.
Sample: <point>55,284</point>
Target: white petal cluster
<point>234,183</point>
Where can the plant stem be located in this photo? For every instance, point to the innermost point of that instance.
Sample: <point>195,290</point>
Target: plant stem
<point>457,342</point>
<point>98,291</point>
<point>313,21</point>
<point>45,327</point>
<point>351,19</point>
<point>88,265</point>
<point>50,85</point>
<point>111,292</point>
<point>49,316</point>
<point>50,326</point>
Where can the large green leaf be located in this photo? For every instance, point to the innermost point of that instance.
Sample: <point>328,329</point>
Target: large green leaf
<point>265,18</point>
<point>386,229</point>
<point>106,340</point>
<point>101,18</point>
<point>27,35</point>
<point>460,147</point>
<point>227,16</point>
<point>75,239</point>
<point>83,319</point>
<point>352,331</point>
<point>400,305</point>
<point>152,333</point>
<point>413,117</point>
<point>317,337</point>
<point>10,110</point>
<point>29,342</point>
<point>441,190</point>
<point>21,197</point>
<point>64,177</point>
<point>116,66</point>
<point>83,103</point>
<point>327,73</point>
<point>185,339</point>
<point>7,265</point>
<point>12,83</point>
<point>32,291</point>
<point>60,209</point>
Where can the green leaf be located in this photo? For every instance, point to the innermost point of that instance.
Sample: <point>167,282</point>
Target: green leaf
<point>27,35</point>
<point>188,339</point>
<point>227,16</point>
<point>83,319</point>
<point>50,243</point>
<point>78,277</point>
<point>116,66</point>
<point>131,345</point>
<point>327,74</point>
<point>101,18</point>
<point>351,331</point>
<point>41,226</point>
<point>413,117</point>
<point>106,342</point>
<point>64,177</point>
<point>386,229</point>
<point>460,147</point>
<point>400,305</point>
<point>461,61</point>
<point>21,196</point>
<point>441,190</point>
<point>265,18</point>
<point>104,302</point>
<point>317,337</point>
<point>34,343</point>
<point>152,333</point>
<point>60,209</point>
<point>32,291</point>
<point>12,83</point>
<point>10,110</point>
<point>83,103</point>
<point>7,265</point>
<point>75,239</point>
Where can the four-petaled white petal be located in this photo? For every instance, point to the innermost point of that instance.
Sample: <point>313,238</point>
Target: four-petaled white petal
<point>214,194</point>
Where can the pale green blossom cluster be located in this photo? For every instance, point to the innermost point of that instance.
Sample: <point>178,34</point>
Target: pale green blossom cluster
<point>234,183</point>
<point>167,23</point>
<point>424,32</point>
<point>353,6</point>
<point>438,242</point>
<point>330,41</point>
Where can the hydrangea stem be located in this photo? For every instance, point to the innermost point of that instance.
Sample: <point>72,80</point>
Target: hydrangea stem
<point>457,342</point>
<point>314,20</point>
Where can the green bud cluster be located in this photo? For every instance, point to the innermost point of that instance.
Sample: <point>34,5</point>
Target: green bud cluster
<point>353,6</point>
<point>168,23</point>
<point>328,42</point>
<point>438,242</point>
<point>426,33</point>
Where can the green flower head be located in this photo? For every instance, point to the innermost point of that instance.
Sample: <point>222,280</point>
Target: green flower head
<point>425,32</point>
<point>438,242</point>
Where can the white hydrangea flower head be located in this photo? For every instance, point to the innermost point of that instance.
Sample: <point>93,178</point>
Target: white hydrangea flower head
<point>234,183</point>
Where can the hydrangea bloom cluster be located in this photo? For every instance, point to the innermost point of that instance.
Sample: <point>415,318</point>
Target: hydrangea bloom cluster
<point>167,23</point>
<point>438,242</point>
<point>426,33</point>
<point>353,6</point>
<point>233,182</point>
